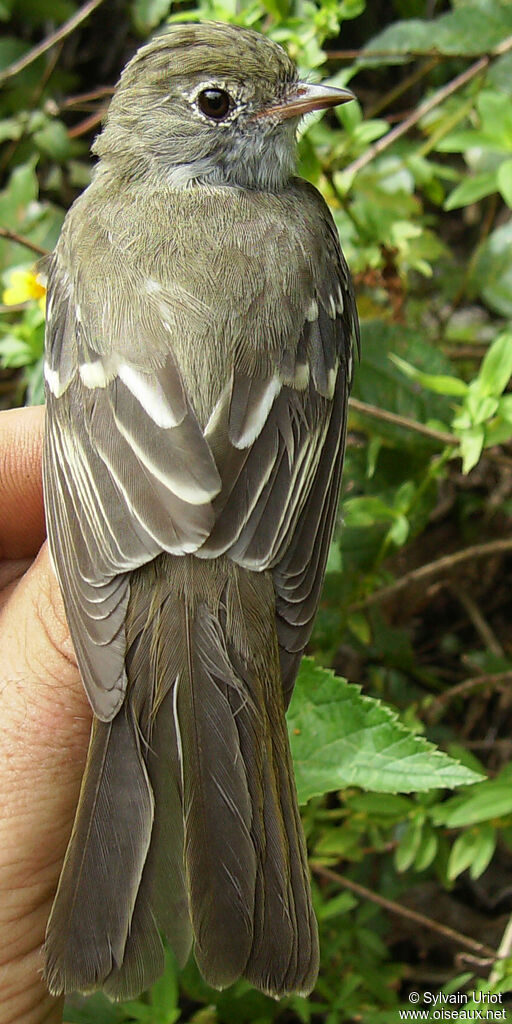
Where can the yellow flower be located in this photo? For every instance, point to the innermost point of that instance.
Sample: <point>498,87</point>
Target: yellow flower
<point>22,286</point>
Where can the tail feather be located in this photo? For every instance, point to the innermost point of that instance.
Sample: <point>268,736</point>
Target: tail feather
<point>219,854</point>
<point>89,924</point>
<point>188,825</point>
<point>161,908</point>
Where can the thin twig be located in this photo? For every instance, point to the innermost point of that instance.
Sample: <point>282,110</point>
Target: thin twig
<point>403,86</point>
<point>88,123</point>
<point>491,679</point>
<point>15,307</point>
<point>476,617</point>
<point>87,97</point>
<point>365,54</point>
<point>476,352</point>
<point>424,108</point>
<point>402,421</point>
<point>412,915</point>
<point>504,951</point>
<point>46,44</point>
<point>12,236</point>
<point>424,572</point>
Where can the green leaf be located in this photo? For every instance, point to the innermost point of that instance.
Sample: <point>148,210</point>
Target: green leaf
<point>467,30</point>
<point>496,369</point>
<point>359,625</point>
<point>504,179</point>
<point>164,994</point>
<point>494,110</point>
<point>340,738</point>
<point>399,531</point>
<point>409,844</point>
<point>471,445</point>
<point>380,805</point>
<point>461,854</point>
<point>473,188</point>
<point>11,49</point>
<point>491,275</point>
<point>10,128</point>
<point>499,75</point>
<point>483,802</point>
<point>147,14</point>
<point>484,852</point>
<point>340,904</point>
<point>380,382</point>
<point>95,1009</point>
<point>473,849</point>
<point>53,140</point>
<point>441,384</point>
<point>427,848</point>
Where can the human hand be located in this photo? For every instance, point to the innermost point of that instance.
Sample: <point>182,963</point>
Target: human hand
<point>45,723</point>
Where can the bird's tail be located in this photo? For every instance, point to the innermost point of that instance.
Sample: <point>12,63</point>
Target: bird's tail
<point>187,826</point>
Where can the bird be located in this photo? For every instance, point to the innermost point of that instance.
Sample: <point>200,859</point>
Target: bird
<point>201,331</point>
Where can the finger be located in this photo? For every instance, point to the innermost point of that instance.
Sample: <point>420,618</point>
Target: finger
<point>40,687</point>
<point>43,742</point>
<point>10,574</point>
<point>22,528</point>
<point>45,725</point>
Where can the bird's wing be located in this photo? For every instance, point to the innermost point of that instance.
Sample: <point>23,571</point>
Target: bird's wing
<point>127,475</point>
<point>279,443</point>
<point>133,467</point>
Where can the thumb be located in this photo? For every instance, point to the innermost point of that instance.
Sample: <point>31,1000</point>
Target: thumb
<point>43,743</point>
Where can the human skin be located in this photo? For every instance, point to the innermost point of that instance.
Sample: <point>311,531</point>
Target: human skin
<point>45,722</point>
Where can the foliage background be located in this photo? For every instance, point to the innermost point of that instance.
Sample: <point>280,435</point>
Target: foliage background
<point>416,606</point>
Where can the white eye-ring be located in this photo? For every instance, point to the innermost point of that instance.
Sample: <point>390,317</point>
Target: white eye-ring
<point>214,103</point>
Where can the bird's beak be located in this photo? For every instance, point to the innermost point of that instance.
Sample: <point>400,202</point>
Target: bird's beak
<point>304,98</point>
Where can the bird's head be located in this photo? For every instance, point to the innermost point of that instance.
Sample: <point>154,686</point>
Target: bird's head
<point>210,103</point>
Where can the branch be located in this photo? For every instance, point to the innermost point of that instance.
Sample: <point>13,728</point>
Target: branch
<point>412,915</point>
<point>424,572</point>
<point>61,33</point>
<point>87,97</point>
<point>424,108</point>
<point>504,951</point>
<point>365,54</point>
<point>402,421</point>
<point>476,617</point>
<point>12,236</point>
<point>498,680</point>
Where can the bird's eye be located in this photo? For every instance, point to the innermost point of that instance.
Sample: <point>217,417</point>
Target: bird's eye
<point>215,103</point>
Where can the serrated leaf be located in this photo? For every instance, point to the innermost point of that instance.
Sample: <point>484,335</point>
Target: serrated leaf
<point>341,738</point>
<point>467,30</point>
